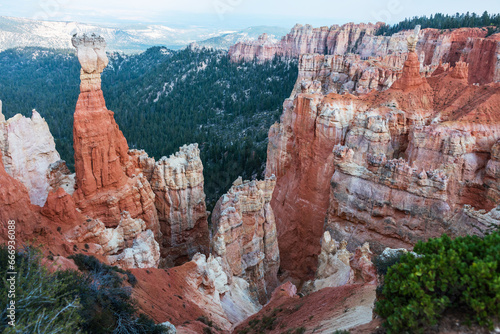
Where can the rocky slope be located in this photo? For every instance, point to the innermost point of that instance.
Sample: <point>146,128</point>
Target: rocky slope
<point>327,311</point>
<point>352,59</point>
<point>390,168</point>
<point>199,288</point>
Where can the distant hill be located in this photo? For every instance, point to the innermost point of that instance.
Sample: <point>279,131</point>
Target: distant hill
<point>224,41</point>
<point>21,32</point>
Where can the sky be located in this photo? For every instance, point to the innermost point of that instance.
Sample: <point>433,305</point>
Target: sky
<point>237,14</point>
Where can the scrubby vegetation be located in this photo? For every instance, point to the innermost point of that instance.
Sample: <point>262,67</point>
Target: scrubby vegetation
<point>461,274</point>
<point>107,306</point>
<point>162,99</point>
<point>445,21</point>
<point>43,301</point>
<point>94,301</point>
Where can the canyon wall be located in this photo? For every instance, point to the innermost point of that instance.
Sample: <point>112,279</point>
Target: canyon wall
<point>389,167</point>
<point>352,59</point>
<point>305,39</point>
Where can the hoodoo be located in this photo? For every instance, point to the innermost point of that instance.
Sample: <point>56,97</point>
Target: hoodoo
<point>106,183</point>
<point>113,182</point>
<point>411,78</point>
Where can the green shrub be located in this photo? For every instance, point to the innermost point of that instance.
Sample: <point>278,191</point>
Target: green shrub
<point>267,323</point>
<point>300,330</point>
<point>463,274</point>
<point>204,320</point>
<point>42,301</point>
<point>492,30</point>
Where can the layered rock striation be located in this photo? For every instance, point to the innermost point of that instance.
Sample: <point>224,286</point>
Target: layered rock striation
<point>305,39</point>
<point>352,59</point>
<point>244,235</point>
<point>177,182</point>
<point>390,167</point>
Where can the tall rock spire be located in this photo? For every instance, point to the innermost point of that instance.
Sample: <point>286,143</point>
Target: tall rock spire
<point>106,184</point>
<point>411,77</point>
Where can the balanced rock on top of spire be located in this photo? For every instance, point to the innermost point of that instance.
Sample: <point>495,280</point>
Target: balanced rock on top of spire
<point>93,59</point>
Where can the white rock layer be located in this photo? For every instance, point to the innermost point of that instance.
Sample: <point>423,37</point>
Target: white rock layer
<point>28,150</point>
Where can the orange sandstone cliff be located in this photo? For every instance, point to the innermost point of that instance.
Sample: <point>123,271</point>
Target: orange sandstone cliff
<point>386,168</point>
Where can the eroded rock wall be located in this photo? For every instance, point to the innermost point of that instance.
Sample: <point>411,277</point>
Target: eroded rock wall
<point>305,39</point>
<point>177,182</point>
<point>244,235</point>
<point>389,167</point>
<point>352,59</point>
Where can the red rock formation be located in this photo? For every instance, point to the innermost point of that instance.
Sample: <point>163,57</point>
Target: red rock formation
<point>407,160</point>
<point>105,183</point>
<point>460,71</point>
<point>15,206</point>
<point>244,235</point>
<point>410,78</point>
<point>338,267</point>
<point>381,58</point>
<point>300,155</point>
<point>484,60</point>
<point>60,207</point>
<point>304,39</point>
<point>30,225</point>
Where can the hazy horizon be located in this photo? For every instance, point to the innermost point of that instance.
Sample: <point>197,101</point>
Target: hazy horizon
<point>236,14</point>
